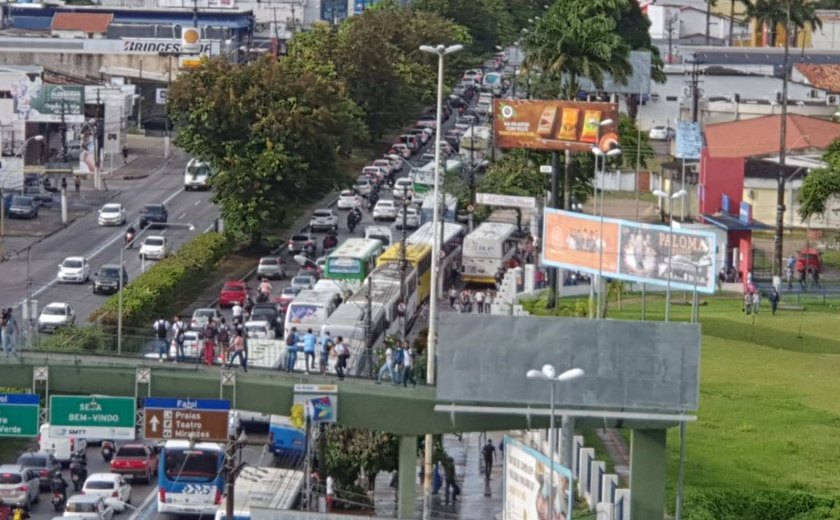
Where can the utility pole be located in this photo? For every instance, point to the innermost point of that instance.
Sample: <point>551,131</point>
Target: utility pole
<point>97,181</point>
<point>28,296</point>
<point>195,24</point>
<point>780,193</point>
<point>230,478</point>
<point>694,83</point>
<point>63,133</point>
<point>403,262</point>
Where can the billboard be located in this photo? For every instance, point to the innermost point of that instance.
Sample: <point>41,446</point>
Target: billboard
<point>638,82</point>
<point>690,140</point>
<point>630,251</point>
<point>554,125</point>
<point>529,492</point>
<point>39,103</point>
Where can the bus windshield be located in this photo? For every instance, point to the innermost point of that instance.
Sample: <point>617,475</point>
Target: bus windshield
<point>344,265</point>
<point>191,465</point>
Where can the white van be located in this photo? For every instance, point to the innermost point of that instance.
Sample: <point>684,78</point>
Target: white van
<point>381,233</point>
<point>197,175</point>
<point>309,310</point>
<point>62,448</point>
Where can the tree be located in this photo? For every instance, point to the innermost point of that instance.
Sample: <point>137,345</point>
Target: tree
<point>489,22</point>
<point>266,127</point>
<point>772,13</point>
<point>821,185</point>
<point>351,452</point>
<point>517,173</point>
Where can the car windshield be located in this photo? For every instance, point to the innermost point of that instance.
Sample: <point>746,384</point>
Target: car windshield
<point>300,238</point>
<point>301,280</point>
<point>204,313</point>
<point>72,264</point>
<point>258,326</point>
<point>153,209</point>
<point>22,201</point>
<point>32,461</point>
<point>290,291</point>
<point>54,310</point>
<point>99,484</point>
<point>111,208</point>
<point>347,193</point>
<point>362,182</point>
<point>11,478</point>
<point>109,272</point>
<point>80,507</point>
<point>268,261</point>
<point>154,241</point>
<point>233,287</point>
<point>385,203</point>
<point>323,213</point>
<point>404,182</point>
<point>131,451</point>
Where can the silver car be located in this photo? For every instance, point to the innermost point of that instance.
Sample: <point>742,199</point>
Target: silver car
<point>323,219</point>
<point>271,267</point>
<point>19,486</point>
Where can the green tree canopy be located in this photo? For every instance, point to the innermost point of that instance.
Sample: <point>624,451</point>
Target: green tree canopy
<point>488,21</point>
<point>821,185</point>
<point>274,131</point>
<point>773,13</point>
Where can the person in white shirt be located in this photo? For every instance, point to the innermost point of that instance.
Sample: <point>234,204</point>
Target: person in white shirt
<point>330,493</point>
<point>479,301</point>
<point>408,363</point>
<point>161,328</point>
<point>341,353</point>
<point>388,367</point>
<point>178,329</point>
<point>237,311</point>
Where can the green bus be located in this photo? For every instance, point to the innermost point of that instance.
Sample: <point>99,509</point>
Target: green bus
<point>424,177</point>
<point>353,259</point>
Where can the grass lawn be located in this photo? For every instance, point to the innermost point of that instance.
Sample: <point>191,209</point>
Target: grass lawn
<point>769,407</point>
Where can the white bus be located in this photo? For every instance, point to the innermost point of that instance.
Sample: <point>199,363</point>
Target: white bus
<point>309,310</point>
<point>266,488</point>
<point>485,250</point>
<point>424,176</point>
<point>453,238</point>
<point>427,208</point>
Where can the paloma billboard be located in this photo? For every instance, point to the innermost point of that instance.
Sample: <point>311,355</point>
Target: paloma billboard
<point>554,125</point>
<point>630,251</point>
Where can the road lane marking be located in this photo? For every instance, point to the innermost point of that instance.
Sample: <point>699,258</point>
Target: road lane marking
<point>182,215</point>
<point>197,202</point>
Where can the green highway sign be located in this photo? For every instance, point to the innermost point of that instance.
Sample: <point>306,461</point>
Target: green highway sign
<point>94,417</point>
<point>19,415</point>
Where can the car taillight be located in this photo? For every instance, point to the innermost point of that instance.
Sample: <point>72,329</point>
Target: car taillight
<point>162,495</point>
<point>115,494</point>
<point>271,438</point>
<point>218,497</point>
<point>45,473</point>
<point>72,444</point>
<point>24,488</point>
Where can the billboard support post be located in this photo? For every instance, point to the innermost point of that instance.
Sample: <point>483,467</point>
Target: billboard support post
<point>555,181</point>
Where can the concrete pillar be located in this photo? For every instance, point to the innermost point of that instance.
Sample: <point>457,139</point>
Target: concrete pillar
<point>407,500</point>
<point>567,436</point>
<point>587,457</point>
<point>647,474</point>
<point>596,479</point>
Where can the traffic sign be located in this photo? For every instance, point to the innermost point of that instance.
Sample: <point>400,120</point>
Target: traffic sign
<point>95,417</point>
<point>19,414</point>
<point>197,419</point>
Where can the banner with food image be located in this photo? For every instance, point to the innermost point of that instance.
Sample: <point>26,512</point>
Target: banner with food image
<point>554,125</point>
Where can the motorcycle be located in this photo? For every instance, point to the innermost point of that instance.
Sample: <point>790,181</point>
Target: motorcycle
<point>129,239</point>
<point>353,219</point>
<point>107,451</point>
<point>57,500</point>
<point>78,472</point>
<point>59,490</point>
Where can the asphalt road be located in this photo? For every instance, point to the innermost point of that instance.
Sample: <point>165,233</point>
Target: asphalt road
<point>102,245</point>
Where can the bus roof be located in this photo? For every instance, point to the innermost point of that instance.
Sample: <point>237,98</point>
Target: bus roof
<point>356,248</point>
<point>313,297</point>
<point>448,199</point>
<point>272,488</point>
<point>413,253</point>
<point>491,231</point>
<point>425,235</point>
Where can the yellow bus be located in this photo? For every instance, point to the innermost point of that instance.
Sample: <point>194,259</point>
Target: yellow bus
<point>417,255</point>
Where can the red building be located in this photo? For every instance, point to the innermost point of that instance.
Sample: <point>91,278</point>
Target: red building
<point>722,168</point>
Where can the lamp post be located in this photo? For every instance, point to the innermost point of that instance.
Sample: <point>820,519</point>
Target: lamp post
<point>600,154</point>
<point>20,153</point>
<point>695,304</point>
<point>662,195</point>
<point>549,374</point>
<point>431,342</point>
<point>122,267</point>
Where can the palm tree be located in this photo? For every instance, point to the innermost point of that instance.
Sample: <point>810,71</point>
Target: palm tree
<point>732,17</point>
<point>772,13</point>
<point>709,5</point>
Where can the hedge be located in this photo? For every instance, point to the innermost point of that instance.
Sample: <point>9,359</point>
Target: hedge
<point>156,292</point>
<point>745,504</point>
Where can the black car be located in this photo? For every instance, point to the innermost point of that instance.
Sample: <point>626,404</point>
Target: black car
<point>23,207</point>
<point>40,194</point>
<point>43,463</point>
<point>269,312</point>
<point>107,280</point>
<point>152,214</point>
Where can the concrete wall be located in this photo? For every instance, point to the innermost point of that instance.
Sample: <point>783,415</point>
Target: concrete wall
<point>86,65</point>
<point>719,175</point>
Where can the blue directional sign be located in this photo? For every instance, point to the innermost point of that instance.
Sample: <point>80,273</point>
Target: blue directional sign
<point>183,418</point>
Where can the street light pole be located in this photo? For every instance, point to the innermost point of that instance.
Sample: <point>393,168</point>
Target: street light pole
<point>431,341</point>
<point>600,154</point>
<point>661,194</point>
<point>549,374</point>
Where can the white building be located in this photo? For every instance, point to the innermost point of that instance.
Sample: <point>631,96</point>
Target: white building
<point>682,22</point>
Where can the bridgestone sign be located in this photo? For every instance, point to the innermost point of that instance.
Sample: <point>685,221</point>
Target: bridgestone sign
<point>157,46</point>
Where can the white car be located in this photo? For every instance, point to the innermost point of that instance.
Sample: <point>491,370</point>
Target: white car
<point>396,160</point>
<point>385,210</point>
<point>402,149</point>
<point>54,316</point>
<point>363,187</point>
<point>258,329</point>
<point>88,507</point>
<point>662,133</point>
<point>323,219</point>
<point>154,247</point>
<point>374,172</point>
<point>385,165</point>
<point>200,317</point>
<point>403,186</point>
<point>112,215</point>
<point>112,487</point>
<point>74,269</point>
<point>346,199</point>
<point>303,282</point>
<point>412,218</point>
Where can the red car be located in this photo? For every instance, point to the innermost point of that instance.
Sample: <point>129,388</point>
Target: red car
<point>286,297</point>
<point>136,460</point>
<point>233,292</point>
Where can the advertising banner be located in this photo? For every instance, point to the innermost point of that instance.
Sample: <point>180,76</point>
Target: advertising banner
<point>689,140</point>
<point>319,401</point>
<point>554,125</point>
<point>529,490</point>
<point>630,251</point>
<point>41,103</point>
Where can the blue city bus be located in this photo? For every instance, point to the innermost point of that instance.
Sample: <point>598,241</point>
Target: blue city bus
<point>190,478</point>
<point>286,442</point>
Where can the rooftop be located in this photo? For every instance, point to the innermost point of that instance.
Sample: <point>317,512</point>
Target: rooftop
<point>759,137</point>
<point>82,22</point>
<point>826,77</point>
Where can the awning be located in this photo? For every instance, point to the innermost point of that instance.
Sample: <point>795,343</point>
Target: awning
<point>136,74</point>
<point>729,222</point>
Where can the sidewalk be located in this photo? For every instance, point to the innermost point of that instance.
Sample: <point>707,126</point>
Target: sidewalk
<point>472,504</point>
